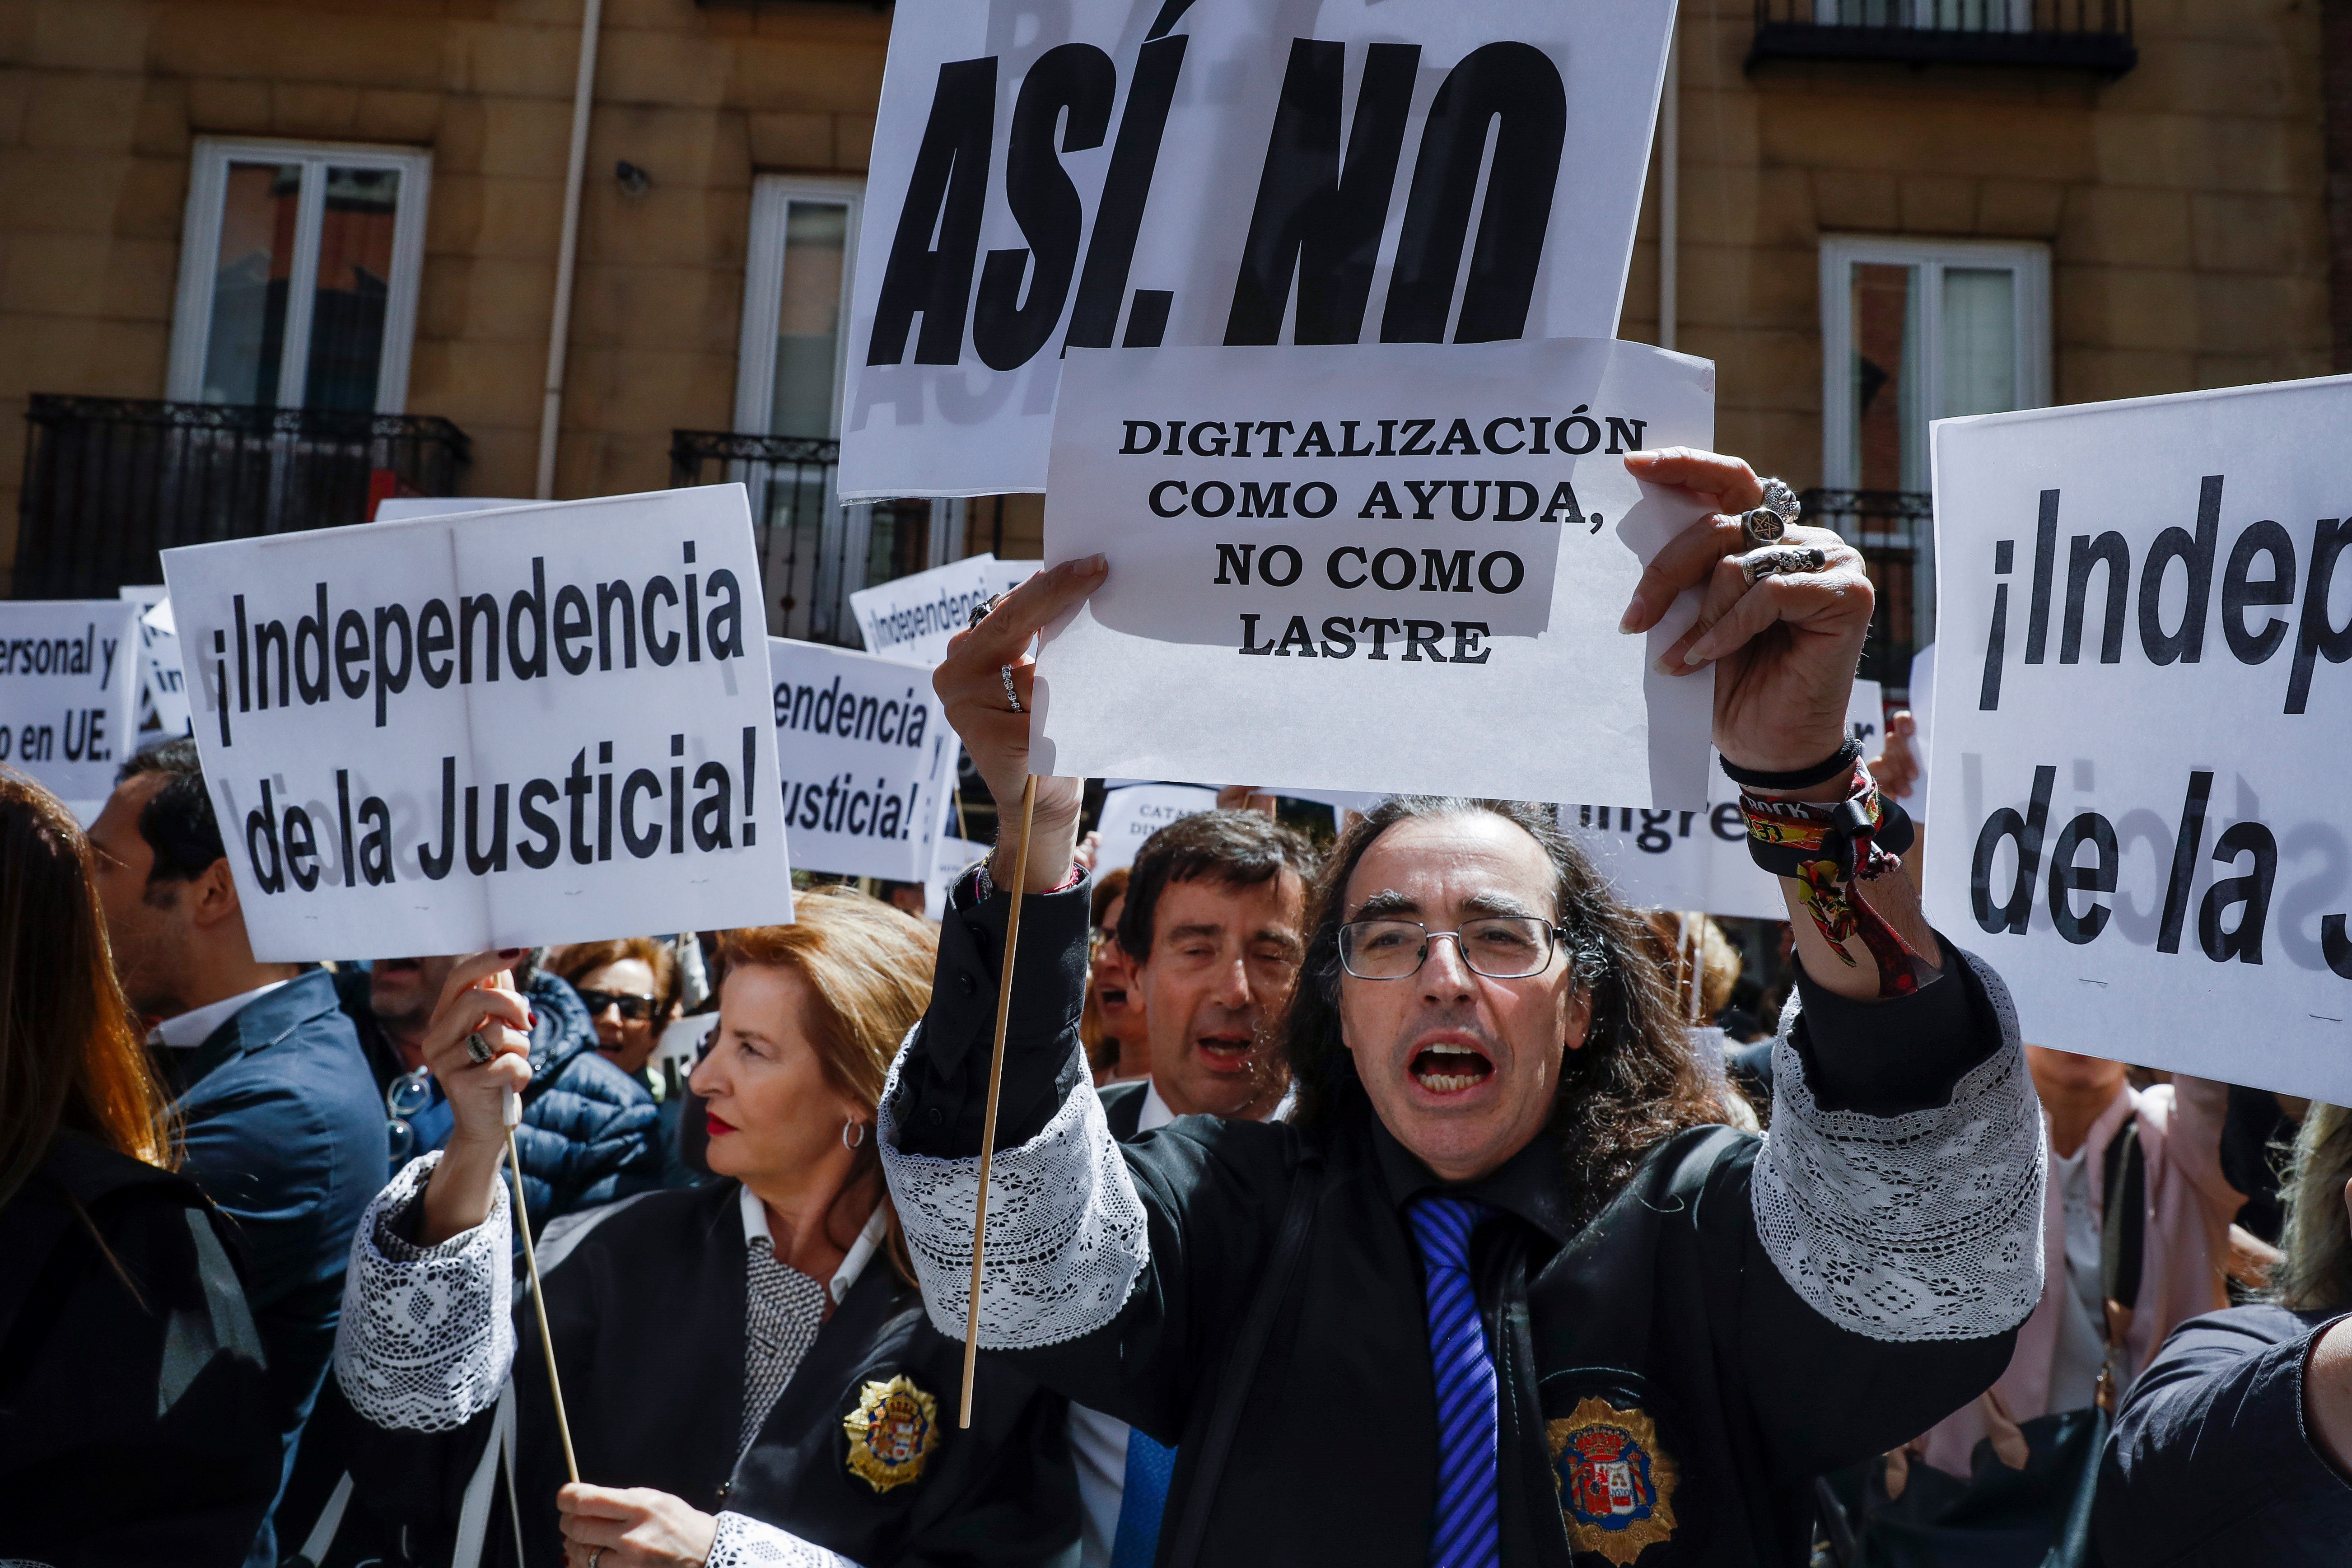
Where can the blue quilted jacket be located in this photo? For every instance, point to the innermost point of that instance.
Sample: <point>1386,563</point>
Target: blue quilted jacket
<point>590,1132</point>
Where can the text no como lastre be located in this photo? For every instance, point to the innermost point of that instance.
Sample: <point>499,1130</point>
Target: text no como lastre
<point>588,814</point>
<point>352,653</point>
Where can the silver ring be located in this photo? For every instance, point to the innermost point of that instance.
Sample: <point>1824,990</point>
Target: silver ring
<point>596,1557</point>
<point>479,1048</point>
<point>1769,522</point>
<point>1005,672</point>
<point>980,611</point>
<point>1758,564</point>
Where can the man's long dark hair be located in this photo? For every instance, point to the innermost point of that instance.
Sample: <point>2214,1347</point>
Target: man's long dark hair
<point>1634,1082</point>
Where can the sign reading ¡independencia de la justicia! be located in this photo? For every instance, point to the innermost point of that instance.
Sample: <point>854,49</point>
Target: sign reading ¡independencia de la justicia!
<point>544,724</point>
<point>2143,724</point>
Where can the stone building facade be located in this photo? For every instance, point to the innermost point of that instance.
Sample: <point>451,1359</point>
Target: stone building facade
<point>2105,199</point>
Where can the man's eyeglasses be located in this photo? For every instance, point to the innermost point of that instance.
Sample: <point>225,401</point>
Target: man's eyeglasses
<point>1500,947</point>
<point>633,1007</point>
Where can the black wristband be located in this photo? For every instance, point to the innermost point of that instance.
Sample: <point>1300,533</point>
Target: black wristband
<point>1842,760</point>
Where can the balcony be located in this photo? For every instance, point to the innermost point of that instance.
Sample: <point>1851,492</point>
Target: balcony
<point>111,482</point>
<point>2093,35</point>
<point>1895,530</point>
<point>813,551</point>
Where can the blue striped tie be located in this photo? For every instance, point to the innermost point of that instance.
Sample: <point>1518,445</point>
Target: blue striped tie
<point>1465,1533</point>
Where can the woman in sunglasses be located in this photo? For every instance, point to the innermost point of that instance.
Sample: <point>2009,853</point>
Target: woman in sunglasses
<point>749,1370</point>
<point>630,988</point>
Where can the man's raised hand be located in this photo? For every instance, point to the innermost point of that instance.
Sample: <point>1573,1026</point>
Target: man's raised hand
<point>970,682</point>
<point>1784,647</point>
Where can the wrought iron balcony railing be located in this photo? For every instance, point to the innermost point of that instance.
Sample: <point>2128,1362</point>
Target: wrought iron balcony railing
<point>1895,530</point>
<point>2081,35</point>
<point>813,551</point>
<point>109,482</point>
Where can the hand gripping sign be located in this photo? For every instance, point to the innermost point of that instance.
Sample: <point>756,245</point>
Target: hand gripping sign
<point>1389,567</point>
<point>909,619</point>
<point>2143,724</point>
<point>867,758</point>
<point>545,724</point>
<point>68,695</point>
<point>1200,172</point>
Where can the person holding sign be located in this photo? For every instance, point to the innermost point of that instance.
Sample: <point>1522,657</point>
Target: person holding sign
<point>746,1367</point>
<point>1502,1292</point>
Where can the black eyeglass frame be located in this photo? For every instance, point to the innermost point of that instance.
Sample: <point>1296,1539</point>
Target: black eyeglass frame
<point>1556,938</point>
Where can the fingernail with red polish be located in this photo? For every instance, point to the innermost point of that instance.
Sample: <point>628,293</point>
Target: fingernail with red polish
<point>510,952</point>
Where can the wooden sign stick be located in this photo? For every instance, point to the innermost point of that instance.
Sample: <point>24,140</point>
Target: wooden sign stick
<point>995,1091</point>
<point>538,1295</point>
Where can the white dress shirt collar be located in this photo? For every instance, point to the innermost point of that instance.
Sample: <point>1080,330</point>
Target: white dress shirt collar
<point>1154,1114</point>
<point>187,1030</point>
<point>853,1263</point>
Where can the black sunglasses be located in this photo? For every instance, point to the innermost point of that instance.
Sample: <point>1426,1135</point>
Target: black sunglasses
<point>633,1007</point>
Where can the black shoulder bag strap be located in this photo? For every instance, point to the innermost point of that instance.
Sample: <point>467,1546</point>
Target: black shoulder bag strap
<point>1241,1367</point>
<point>2123,1238</point>
<point>2122,1247</point>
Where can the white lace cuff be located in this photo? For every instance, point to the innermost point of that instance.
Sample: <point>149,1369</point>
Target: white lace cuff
<point>741,1541</point>
<point>1904,1228</point>
<point>1065,1231</point>
<point>427,1333</point>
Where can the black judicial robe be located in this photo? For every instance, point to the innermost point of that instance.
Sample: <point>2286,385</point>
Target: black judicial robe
<point>647,1314</point>
<point>1665,1396</point>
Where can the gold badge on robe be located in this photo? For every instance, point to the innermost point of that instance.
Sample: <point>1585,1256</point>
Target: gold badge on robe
<point>891,1432</point>
<point>1616,1484</point>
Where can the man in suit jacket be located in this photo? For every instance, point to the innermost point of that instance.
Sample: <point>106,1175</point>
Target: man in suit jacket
<point>280,1121</point>
<point>1210,931</point>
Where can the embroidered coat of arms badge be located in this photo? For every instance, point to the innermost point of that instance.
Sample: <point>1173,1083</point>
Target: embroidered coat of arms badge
<point>891,1432</point>
<point>1616,1484</point>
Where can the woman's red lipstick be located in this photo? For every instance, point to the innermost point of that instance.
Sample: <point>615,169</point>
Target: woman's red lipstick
<point>716,1125</point>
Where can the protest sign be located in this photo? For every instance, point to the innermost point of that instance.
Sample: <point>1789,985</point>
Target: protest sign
<point>867,759</point>
<point>909,619</point>
<point>2143,726</point>
<point>407,508</point>
<point>544,724</point>
<point>1330,567</point>
<point>1669,859</point>
<point>162,692</point>
<point>955,857</point>
<point>1163,171</point>
<point>1132,814</point>
<point>68,695</point>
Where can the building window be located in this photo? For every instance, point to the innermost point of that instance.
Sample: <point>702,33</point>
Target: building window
<point>814,552</point>
<point>298,276</point>
<point>1969,15</point>
<point>795,300</point>
<point>1915,330</point>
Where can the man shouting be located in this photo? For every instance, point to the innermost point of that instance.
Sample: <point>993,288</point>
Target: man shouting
<point>1503,1291</point>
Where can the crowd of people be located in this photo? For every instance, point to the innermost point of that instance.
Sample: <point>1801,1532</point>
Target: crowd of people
<point>1393,1197</point>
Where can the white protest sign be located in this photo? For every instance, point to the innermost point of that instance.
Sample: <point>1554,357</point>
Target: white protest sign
<point>1132,814</point>
<point>2143,726</point>
<point>1671,859</point>
<point>909,619</point>
<point>955,857</point>
<point>68,695</point>
<point>408,509</point>
<point>867,760</point>
<point>162,689</point>
<point>1362,558</point>
<point>1922,718</point>
<point>546,724</point>
<point>1149,171</point>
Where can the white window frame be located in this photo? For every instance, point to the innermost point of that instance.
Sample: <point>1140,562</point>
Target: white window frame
<point>763,289</point>
<point>2029,262</point>
<point>199,260</point>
